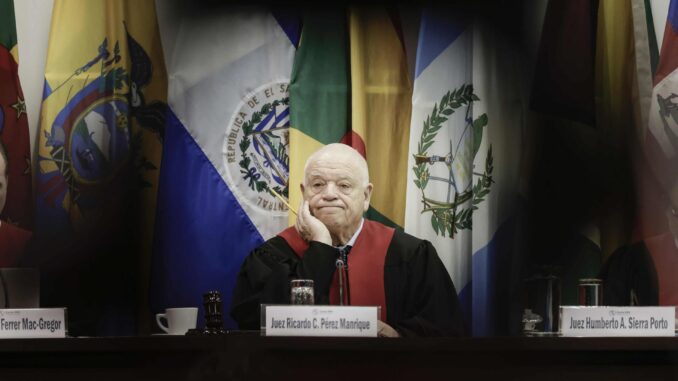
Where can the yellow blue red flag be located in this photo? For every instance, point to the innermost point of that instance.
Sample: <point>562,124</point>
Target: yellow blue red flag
<point>100,142</point>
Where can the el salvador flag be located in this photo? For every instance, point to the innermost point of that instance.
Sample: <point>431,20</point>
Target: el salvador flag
<point>225,145</point>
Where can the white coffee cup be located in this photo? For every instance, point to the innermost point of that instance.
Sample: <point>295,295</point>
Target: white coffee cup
<point>179,320</point>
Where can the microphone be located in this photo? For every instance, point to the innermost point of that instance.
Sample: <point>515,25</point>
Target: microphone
<point>341,265</point>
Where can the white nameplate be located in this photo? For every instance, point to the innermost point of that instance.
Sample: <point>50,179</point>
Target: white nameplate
<point>320,321</point>
<point>26,323</point>
<point>617,321</point>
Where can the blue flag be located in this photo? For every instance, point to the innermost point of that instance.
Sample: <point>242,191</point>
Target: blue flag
<point>225,146</point>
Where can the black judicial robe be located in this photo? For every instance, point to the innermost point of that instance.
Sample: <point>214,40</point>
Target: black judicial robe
<point>646,269</point>
<point>420,297</point>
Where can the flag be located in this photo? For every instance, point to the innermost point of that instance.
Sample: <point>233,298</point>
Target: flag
<point>226,146</point>
<point>465,147</point>
<point>563,81</point>
<point>101,125</point>
<point>614,72</point>
<point>350,85</point>
<point>498,178</point>
<point>655,86</point>
<point>661,138</point>
<point>14,125</point>
<point>439,203</point>
<point>646,59</point>
<point>648,160</point>
<point>319,92</point>
<point>565,181</point>
<point>381,107</point>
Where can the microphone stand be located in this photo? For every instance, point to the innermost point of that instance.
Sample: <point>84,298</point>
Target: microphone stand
<point>340,268</point>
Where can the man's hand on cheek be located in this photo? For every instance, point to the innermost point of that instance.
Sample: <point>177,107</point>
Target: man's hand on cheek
<point>311,228</point>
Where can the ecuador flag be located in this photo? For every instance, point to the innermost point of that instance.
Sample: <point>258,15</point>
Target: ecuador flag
<point>101,127</point>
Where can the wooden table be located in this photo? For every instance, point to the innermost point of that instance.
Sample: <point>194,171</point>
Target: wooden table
<point>249,356</point>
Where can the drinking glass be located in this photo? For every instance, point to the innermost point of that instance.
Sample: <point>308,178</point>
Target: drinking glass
<point>542,297</point>
<point>590,292</point>
<point>301,291</point>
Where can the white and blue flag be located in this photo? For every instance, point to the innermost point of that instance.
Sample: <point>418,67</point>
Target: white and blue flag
<point>465,146</point>
<point>225,146</point>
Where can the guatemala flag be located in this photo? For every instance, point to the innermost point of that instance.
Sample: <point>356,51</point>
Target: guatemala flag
<point>465,147</point>
<point>226,146</point>
<point>439,185</point>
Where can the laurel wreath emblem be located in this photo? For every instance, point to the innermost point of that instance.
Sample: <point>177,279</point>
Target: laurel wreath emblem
<point>249,172</point>
<point>447,218</point>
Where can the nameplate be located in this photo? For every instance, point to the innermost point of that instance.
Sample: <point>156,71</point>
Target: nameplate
<point>617,321</point>
<point>26,323</point>
<point>344,321</point>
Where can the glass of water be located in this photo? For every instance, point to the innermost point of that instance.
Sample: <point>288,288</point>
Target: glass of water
<point>301,291</point>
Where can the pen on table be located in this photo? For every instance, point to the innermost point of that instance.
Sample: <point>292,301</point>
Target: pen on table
<point>283,200</point>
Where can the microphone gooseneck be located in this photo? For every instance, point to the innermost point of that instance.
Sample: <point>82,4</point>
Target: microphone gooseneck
<point>341,265</point>
<point>342,268</point>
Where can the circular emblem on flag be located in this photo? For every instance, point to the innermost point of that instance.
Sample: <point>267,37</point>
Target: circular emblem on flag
<point>95,126</point>
<point>664,116</point>
<point>90,140</point>
<point>256,148</point>
<point>99,143</point>
<point>445,178</point>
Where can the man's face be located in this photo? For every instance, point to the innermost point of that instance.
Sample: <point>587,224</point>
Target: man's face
<point>336,191</point>
<point>3,183</point>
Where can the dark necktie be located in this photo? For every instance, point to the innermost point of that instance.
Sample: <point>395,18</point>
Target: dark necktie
<point>343,254</point>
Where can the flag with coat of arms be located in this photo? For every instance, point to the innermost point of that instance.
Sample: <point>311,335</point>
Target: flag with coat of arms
<point>465,152</point>
<point>100,136</point>
<point>228,133</point>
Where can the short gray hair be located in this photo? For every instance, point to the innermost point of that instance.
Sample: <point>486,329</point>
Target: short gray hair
<point>346,149</point>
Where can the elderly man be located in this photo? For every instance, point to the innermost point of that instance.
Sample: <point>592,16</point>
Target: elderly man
<point>13,240</point>
<point>385,267</point>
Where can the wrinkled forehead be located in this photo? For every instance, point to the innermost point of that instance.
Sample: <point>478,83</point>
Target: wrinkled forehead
<point>336,165</point>
<point>332,171</point>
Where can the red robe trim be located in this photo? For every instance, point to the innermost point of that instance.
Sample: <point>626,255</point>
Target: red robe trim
<point>365,282</point>
<point>665,257</point>
<point>13,241</point>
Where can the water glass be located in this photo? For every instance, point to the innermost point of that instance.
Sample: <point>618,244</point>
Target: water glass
<point>590,292</point>
<point>301,291</point>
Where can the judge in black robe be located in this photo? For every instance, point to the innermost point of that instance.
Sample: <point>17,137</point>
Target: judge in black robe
<point>385,267</point>
<point>420,297</point>
<point>642,274</point>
